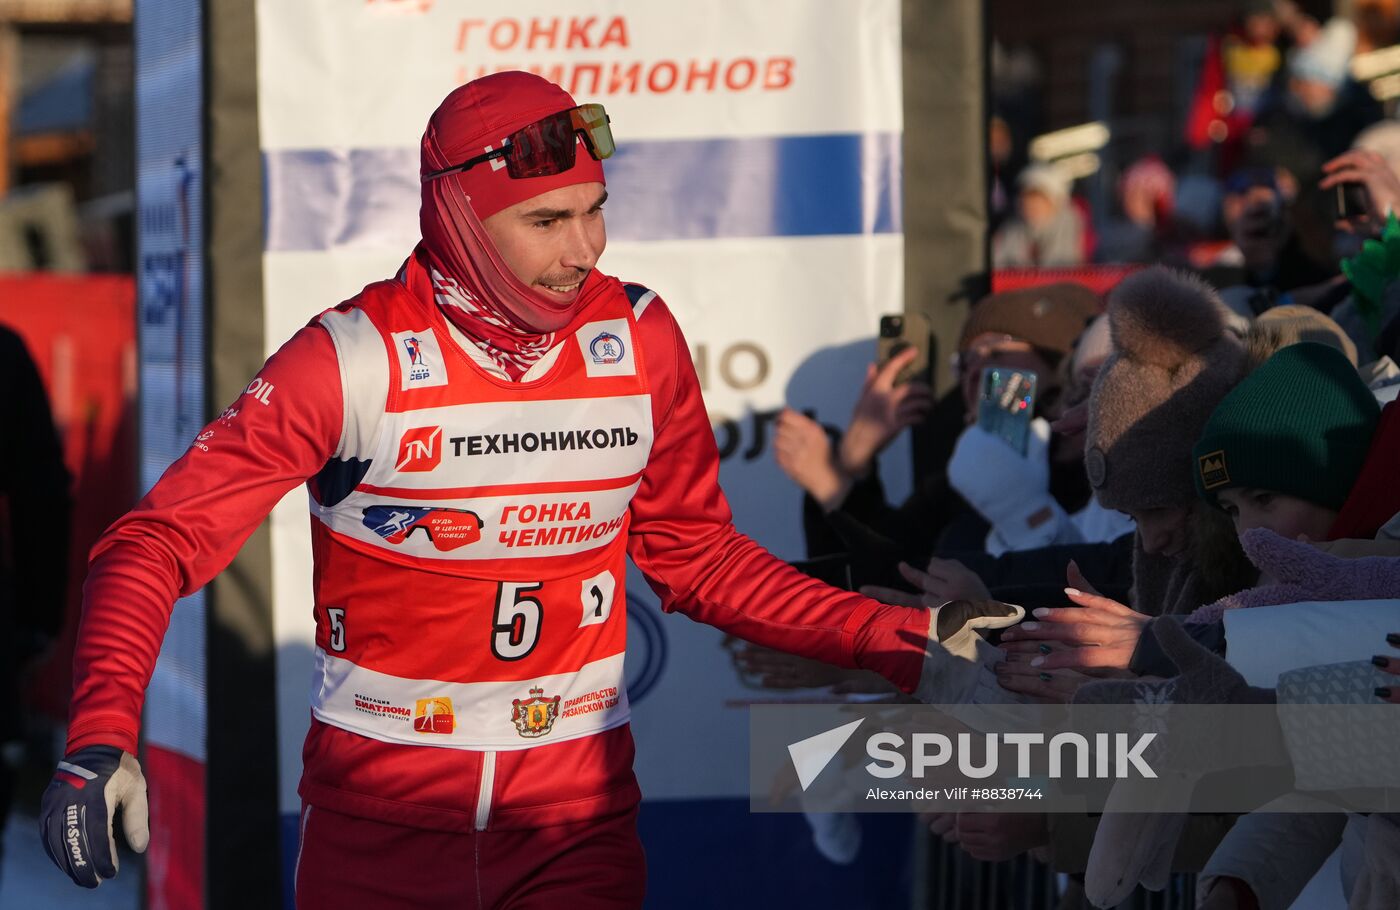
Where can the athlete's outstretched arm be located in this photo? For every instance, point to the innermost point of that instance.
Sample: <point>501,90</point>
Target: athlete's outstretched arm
<point>684,541</point>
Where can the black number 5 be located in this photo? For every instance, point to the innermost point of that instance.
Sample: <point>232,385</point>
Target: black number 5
<point>516,628</point>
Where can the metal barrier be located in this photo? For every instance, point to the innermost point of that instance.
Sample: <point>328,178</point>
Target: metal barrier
<point>952,880</point>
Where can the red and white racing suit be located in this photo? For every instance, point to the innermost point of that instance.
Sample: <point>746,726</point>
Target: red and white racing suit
<point>469,536</point>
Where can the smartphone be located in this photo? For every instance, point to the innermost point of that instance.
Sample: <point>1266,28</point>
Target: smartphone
<point>897,334</point>
<point>1351,201</point>
<point>1006,403</point>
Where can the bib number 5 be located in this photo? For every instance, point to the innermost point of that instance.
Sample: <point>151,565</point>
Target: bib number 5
<point>515,629</point>
<point>336,615</point>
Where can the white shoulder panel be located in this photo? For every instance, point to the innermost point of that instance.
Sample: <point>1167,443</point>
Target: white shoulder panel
<point>364,379</point>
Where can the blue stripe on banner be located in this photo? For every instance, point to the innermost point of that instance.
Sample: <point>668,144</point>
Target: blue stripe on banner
<point>789,186</point>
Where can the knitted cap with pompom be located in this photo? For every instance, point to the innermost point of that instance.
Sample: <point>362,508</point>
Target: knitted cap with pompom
<point>1174,359</point>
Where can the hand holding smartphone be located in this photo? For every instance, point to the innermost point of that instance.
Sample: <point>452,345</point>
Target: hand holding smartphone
<point>1351,201</point>
<point>898,334</point>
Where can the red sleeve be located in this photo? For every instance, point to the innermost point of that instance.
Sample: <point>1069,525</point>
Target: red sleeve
<point>190,526</point>
<point>684,541</point>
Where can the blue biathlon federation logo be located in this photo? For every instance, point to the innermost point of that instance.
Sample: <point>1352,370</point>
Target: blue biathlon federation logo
<point>607,348</point>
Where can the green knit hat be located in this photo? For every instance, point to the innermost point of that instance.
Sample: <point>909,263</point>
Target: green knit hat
<point>1300,424</point>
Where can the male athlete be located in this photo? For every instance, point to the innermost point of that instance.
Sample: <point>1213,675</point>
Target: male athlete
<point>485,438</point>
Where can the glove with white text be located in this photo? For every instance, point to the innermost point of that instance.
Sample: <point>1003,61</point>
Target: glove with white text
<point>79,806</point>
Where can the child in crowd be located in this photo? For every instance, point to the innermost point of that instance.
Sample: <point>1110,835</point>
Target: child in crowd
<point>1283,450</point>
<point>1294,454</point>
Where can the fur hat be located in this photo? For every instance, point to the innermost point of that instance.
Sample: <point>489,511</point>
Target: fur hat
<point>1174,360</point>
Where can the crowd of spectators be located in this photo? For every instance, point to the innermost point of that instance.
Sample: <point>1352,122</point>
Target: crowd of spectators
<point>1247,194</point>
<point>1214,438</point>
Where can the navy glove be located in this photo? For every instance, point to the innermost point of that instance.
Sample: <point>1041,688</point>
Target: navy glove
<point>75,818</point>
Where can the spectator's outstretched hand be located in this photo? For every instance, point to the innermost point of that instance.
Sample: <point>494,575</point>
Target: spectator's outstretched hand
<point>942,825</point>
<point>882,412</point>
<point>770,669</point>
<point>945,580</point>
<point>998,836</point>
<point>1371,171</point>
<point>804,452</point>
<point>1075,576</point>
<point>1099,633</point>
<point>1053,686</point>
<point>949,579</point>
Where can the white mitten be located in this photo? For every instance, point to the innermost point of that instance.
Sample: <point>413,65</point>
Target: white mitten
<point>1011,491</point>
<point>1131,849</point>
<point>1136,847</point>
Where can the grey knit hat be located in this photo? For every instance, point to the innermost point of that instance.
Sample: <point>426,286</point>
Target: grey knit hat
<point>1174,360</point>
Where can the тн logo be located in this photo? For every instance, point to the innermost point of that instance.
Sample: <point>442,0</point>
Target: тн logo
<point>420,449</point>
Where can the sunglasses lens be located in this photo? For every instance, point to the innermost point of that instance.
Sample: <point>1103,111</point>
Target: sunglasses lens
<point>593,121</point>
<point>543,148</point>
<point>547,146</point>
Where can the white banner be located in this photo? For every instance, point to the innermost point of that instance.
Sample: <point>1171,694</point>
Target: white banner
<point>756,189</point>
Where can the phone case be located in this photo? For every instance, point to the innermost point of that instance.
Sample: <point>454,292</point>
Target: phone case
<point>900,332</point>
<point>1007,404</point>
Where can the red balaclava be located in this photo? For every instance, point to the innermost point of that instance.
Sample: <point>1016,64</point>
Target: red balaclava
<point>474,287</point>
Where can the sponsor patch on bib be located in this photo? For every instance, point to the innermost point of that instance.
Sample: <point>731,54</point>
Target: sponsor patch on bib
<point>606,346</point>
<point>420,360</point>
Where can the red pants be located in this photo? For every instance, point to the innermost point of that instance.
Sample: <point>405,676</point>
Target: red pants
<point>348,862</point>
